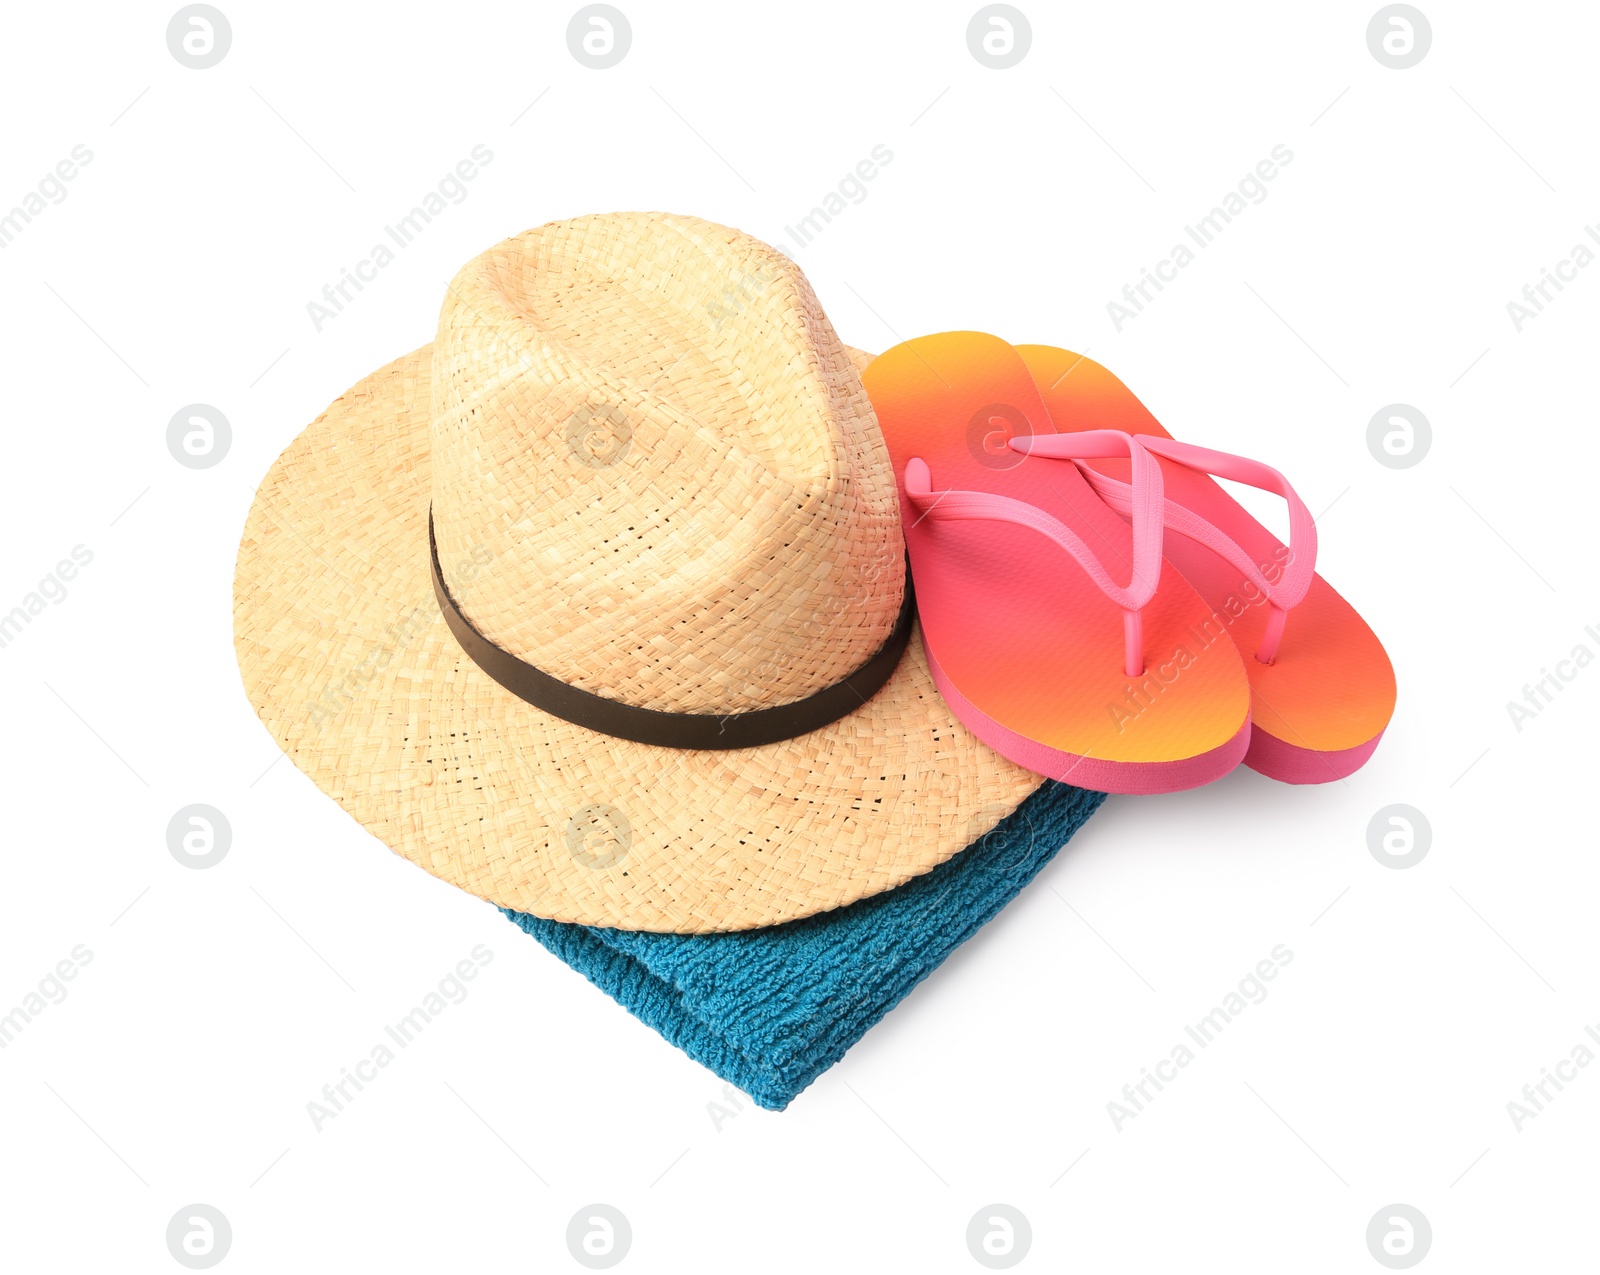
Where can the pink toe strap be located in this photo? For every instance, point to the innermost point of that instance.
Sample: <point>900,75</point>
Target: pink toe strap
<point>1144,501</point>
<point>1298,572</point>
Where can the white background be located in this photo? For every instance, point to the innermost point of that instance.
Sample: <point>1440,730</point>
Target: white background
<point>219,1002</point>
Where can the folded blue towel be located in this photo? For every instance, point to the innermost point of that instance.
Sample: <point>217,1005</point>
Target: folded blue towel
<point>770,1010</point>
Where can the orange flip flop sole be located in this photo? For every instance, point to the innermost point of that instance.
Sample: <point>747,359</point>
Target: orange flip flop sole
<point>1318,711</point>
<point>1023,644</point>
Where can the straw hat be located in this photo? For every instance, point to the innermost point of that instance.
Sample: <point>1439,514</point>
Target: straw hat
<point>662,522</point>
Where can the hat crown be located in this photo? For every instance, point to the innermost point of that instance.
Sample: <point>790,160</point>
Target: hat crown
<point>656,475</point>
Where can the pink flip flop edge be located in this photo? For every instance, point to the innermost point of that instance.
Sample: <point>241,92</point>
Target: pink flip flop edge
<point>1149,778</point>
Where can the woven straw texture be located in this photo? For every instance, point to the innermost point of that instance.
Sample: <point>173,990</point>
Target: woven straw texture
<point>655,474</point>
<point>642,449</point>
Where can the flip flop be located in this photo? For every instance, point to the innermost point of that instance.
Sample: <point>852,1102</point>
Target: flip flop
<point>1322,688</point>
<point>1029,638</point>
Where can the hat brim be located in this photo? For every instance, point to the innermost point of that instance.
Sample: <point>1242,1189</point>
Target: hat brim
<point>349,664</point>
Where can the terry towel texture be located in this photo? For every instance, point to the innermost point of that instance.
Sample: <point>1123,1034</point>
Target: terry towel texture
<point>770,1010</point>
